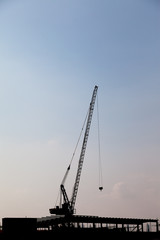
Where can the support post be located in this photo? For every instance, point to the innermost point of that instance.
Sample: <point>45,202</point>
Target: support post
<point>157,229</point>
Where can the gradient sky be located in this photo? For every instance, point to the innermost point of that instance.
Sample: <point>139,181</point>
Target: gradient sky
<point>52,54</point>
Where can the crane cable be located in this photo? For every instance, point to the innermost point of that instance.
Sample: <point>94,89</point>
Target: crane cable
<point>79,138</point>
<point>99,151</point>
<point>67,171</point>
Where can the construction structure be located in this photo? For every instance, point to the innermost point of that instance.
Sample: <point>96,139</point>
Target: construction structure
<point>107,224</point>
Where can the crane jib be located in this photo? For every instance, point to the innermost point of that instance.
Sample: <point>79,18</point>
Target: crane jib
<point>75,188</point>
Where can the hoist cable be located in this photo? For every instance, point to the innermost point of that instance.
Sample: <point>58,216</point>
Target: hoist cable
<point>99,151</point>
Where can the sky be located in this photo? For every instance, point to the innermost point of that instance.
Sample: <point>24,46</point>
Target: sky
<point>52,54</point>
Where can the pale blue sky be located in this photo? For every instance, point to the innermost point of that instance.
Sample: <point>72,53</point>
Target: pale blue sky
<point>52,54</point>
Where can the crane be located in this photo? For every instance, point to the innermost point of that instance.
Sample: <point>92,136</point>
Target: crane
<point>68,206</point>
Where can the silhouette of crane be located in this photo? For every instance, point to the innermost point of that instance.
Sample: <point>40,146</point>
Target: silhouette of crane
<point>68,206</point>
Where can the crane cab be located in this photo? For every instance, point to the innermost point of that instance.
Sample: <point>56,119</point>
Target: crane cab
<point>64,210</point>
